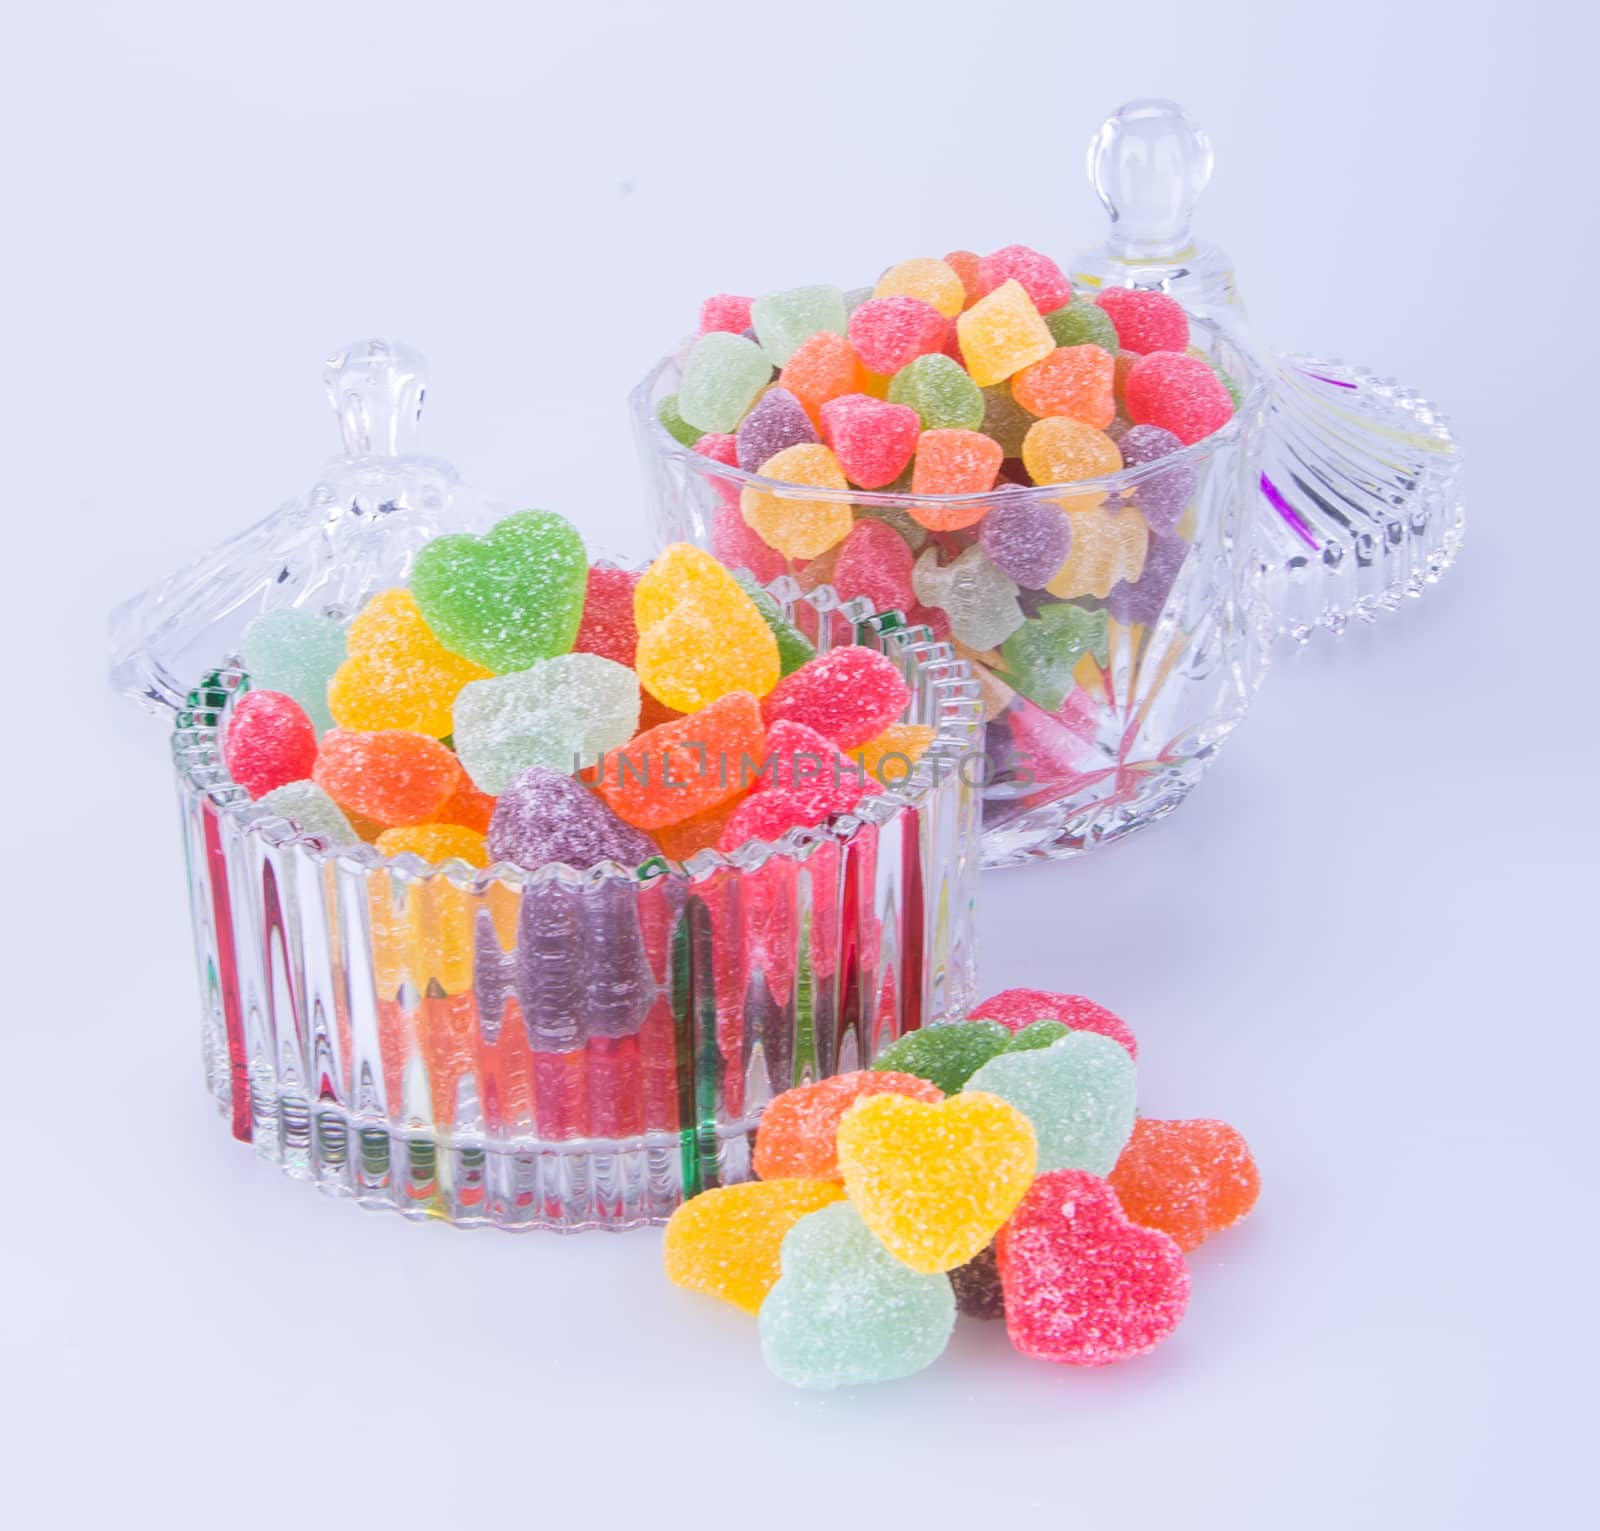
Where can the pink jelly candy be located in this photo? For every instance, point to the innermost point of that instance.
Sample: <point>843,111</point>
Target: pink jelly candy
<point>1083,1285</point>
<point>725,311</point>
<point>1145,321</point>
<point>848,695</point>
<point>776,421</point>
<point>719,448</point>
<point>887,333</point>
<point>874,561</point>
<point>1179,393</point>
<point>872,439</point>
<point>806,781</point>
<point>608,627</point>
<point>270,742</point>
<point>1041,277</point>
<point>1016,1008</point>
<point>738,546</point>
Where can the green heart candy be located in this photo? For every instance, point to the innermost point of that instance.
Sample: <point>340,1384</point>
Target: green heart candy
<point>947,1054</point>
<point>1038,1034</point>
<point>1041,655</point>
<point>509,598</point>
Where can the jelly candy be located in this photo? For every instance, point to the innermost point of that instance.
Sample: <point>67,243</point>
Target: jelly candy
<point>722,374</point>
<point>1161,496</point>
<point>846,1312</point>
<point>940,391</point>
<point>545,816</point>
<point>1019,1008</point>
<point>872,439</point>
<point>794,648</point>
<point>391,777</point>
<point>914,536</point>
<point>269,743</point>
<point>561,713</point>
<point>725,311</point>
<point>1179,393</point>
<point>935,1182</point>
<point>725,1242</point>
<point>946,1055</point>
<point>398,674</point>
<point>607,627</point>
<point>775,421</point>
<point>1005,420</point>
<point>1188,1179</point>
<point>435,843</point>
<point>823,368</point>
<point>738,546</point>
<point>1074,381</point>
<point>954,462</point>
<point>977,1286</point>
<point>1078,1093</point>
<point>719,448</point>
<point>1039,276</point>
<point>875,563</point>
<point>934,281</point>
<point>1001,334</point>
<point>980,601</point>
<point>468,807</point>
<point>804,781</point>
<point>891,757</point>
<point>1109,544</point>
<point>674,424</point>
<point>1036,1035</point>
<point>1026,538</point>
<point>798,1128</point>
<point>848,695</point>
<point>1145,320</point>
<point>1061,451</point>
<point>784,321</point>
<point>1083,1285</point>
<point>311,810</point>
<point>295,652</point>
<point>680,769</point>
<point>1082,323</point>
<point>887,333</point>
<point>966,264</point>
<point>799,527</point>
<point>1042,654</point>
<point>508,598</point>
<point>699,832</point>
<point>1143,600</point>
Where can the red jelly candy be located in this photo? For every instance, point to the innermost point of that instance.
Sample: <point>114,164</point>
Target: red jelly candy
<point>848,695</point>
<point>1016,1008</point>
<point>270,742</point>
<point>1188,1179</point>
<point>608,627</point>
<point>874,561</point>
<point>1041,277</point>
<point>738,546</point>
<point>468,807</point>
<point>796,1139</point>
<point>798,798</point>
<point>725,311</point>
<point>391,777</point>
<point>965,264</point>
<point>886,333</point>
<point>872,438</point>
<point>722,449</point>
<point>1084,1285</point>
<point>1145,321</point>
<point>1179,393</point>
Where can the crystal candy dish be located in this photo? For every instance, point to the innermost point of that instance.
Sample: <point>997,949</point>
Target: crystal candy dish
<point>1330,495</point>
<point>395,1031</point>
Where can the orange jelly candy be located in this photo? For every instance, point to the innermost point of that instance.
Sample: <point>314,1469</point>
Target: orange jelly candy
<point>1074,381</point>
<point>822,368</point>
<point>391,777</point>
<point>799,1129</point>
<point>1187,1179</point>
<point>954,462</point>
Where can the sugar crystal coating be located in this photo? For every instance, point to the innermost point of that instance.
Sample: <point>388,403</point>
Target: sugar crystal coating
<point>954,462</point>
<point>1026,538</point>
<point>946,1055</point>
<point>803,781</point>
<point>725,311</point>
<point>794,648</point>
<point>1083,322</point>
<point>1036,1035</point>
<point>888,333</point>
<point>966,265</point>
<point>799,1127</point>
<point>1001,334</point>
<point>791,523</point>
<point>848,695</point>
<point>391,777</point>
<point>1039,276</point>
<point>934,281</point>
<point>1042,654</point>
<point>1005,420</point>
<point>1057,450</point>
<point>784,321</point>
<point>545,816</point>
<point>979,600</point>
<point>977,1286</point>
<point>722,374</point>
<point>311,811</point>
<point>940,391</point>
<point>1161,496</point>
<point>1179,393</point>
<point>872,439</point>
<point>1188,1179</point>
<point>607,627</point>
<point>1018,1008</point>
<point>875,563</point>
<point>295,652</point>
<point>738,546</point>
<point>1145,321</point>
<point>1109,544</point>
<point>269,742</point>
<point>823,368</point>
<point>435,843</point>
<point>890,758</point>
<point>674,424</point>
<point>1074,381</point>
<point>776,420</point>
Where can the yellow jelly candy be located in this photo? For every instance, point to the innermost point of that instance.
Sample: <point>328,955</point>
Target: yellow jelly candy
<point>398,674</point>
<point>931,280</point>
<point>725,1242</point>
<point>935,1183</point>
<point>796,527</point>
<point>1107,545</point>
<point>436,842</point>
<point>890,758</point>
<point>681,572</point>
<point>1063,451</point>
<point>1003,333</point>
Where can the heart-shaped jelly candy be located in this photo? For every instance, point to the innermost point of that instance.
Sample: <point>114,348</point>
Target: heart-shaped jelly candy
<point>845,1311</point>
<point>509,597</point>
<point>800,1128</point>
<point>1082,1284</point>
<point>1017,1008</point>
<point>1079,1093</point>
<point>725,1242</point>
<point>946,1055</point>
<point>1188,1179</point>
<point>934,1182</point>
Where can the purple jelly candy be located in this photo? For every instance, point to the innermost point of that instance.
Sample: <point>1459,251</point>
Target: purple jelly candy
<point>1142,601</point>
<point>1026,538</point>
<point>977,1286</point>
<point>1162,496</point>
<point>544,816</point>
<point>776,421</point>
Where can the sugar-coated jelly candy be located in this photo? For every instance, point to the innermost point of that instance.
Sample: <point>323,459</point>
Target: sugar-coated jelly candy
<point>724,1242</point>
<point>722,374</point>
<point>1026,538</point>
<point>1142,599</point>
<point>1188,1179</point>
<point>391,777</point>
<point>435,842</point>
<point>1084,1285</point>
<point>979,600</point>
<point>890,758</point>
<point>1005,420</point>
<point>799,1127</point>
<point>561,713</point>
<point>1062,451</point>
<point>398,674</point>
<point>607,627</point>
<point>872,439</point>
<point>311,811</point>
<point>547,816</point>
<point>946,1055</point>
<point>1109,544</point>
<point>468,807</point>
<point>1081,323</point>
<point>935,1182</point>
<point>784,321</point>
<point>674,424</point>
<point>1018,1008</point>
<point>699,832</point>
<point>977,1286</point>
<point>934,281</point>
<point>953,462</point>
<point>803,781</point>
<point>1039,276</point>
<point>848,695</point>
<point>794,648</point>
<point>1001,334</point>
<point>295,652</point>
<point>796,526</point>
<point>823,368</point>
<point>509,597</point>
<point>888,333</point>
<point>1042,654</point>
<point>900,521</point>
<point>966,264</point>
<point>725,311</point>
<point>940,391</point>
<point>680,769</point>
<point>1162,496</point>
<point>269,743</point>
<point>738,545</point>
<point>776,420</point>
<point>1179,393</point>
<point>1079,1093</point>
<point>1037,1034</point>
<point>1074,381</point>
<point>845,1312</point>
<point>875,563</point>
<point>719,447</point>
<point>1145,321</point>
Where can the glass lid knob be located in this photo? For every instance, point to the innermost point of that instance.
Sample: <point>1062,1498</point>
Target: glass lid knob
<point>1148,164</point>
<point>376,388</point>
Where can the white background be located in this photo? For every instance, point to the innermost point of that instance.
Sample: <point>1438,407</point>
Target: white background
<point>1367,940</point>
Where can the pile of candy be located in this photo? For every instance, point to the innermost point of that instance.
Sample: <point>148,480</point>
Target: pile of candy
<point>996,1167</point>
<point>514,704</point>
